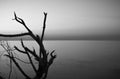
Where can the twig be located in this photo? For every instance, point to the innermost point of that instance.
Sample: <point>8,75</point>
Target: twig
<point>18,66</point>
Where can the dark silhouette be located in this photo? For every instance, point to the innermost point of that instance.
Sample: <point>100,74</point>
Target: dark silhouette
<point>42,57</point>
<point>1,77</point>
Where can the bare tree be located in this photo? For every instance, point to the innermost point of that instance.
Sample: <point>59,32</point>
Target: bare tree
<point>41,57</point>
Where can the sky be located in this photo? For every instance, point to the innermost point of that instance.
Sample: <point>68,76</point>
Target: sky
<point>67,19</point>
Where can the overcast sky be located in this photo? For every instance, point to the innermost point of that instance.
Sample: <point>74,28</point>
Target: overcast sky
<point>73,18</point>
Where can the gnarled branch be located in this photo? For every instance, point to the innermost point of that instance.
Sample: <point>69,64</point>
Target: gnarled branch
<point>42,58</point>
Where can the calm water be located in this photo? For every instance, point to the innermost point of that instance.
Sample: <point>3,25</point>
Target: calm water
<point>75,59</point>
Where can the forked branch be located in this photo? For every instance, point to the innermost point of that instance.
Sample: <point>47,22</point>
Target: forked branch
<point>21,21</point>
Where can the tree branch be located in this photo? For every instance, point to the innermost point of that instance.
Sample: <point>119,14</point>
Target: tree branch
<point>14,35</point>
<point>21,21</point>
<point>18,66</point>
<point>31,52</point>
<point>21,51</point>
<point>32,63</point>
<point>26,50</point>
<point>52,58</point>
<point>22,60</point>
<point>41,57</point>
<point>44,26</point>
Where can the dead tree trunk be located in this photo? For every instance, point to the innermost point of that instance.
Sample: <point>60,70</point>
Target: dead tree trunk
<point>42,58</point>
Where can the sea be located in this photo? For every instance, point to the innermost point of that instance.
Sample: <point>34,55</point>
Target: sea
<point>76,59</point>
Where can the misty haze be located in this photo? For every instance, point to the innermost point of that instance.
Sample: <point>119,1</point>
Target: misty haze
<point>81,39</point>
